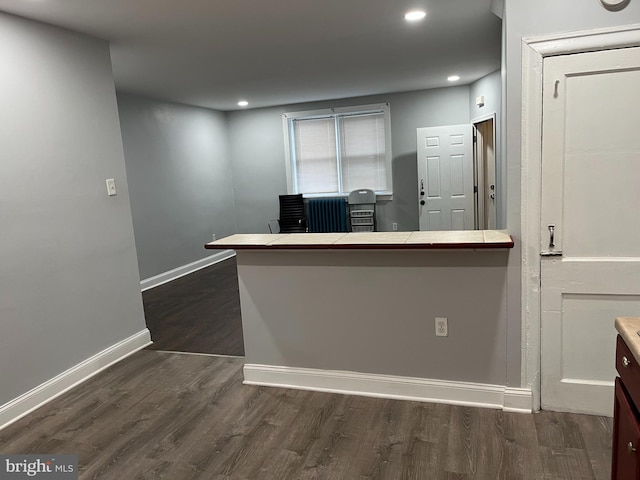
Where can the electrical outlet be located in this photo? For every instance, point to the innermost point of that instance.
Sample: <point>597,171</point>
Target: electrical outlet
<point>213,237</point>
<point>394,225</point>
<point>442,328</point>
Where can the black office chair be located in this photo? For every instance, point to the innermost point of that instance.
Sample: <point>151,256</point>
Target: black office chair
<point>292,218</point>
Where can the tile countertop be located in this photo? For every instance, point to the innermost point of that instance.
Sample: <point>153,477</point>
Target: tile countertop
<point>468,239</point>
<point>628,328</point>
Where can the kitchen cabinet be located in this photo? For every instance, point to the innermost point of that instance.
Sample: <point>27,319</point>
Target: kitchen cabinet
<point>626,418</point>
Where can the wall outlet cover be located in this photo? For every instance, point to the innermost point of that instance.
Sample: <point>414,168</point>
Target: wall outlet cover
<point>442,327</point>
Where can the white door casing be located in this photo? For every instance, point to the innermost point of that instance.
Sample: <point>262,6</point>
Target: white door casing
<point>445,177</point>
<point>590,195</point>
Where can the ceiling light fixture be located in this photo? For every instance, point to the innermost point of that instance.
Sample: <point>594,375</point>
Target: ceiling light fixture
<point>415,15</point>
<point>243,103</point>
<point>453,78</point>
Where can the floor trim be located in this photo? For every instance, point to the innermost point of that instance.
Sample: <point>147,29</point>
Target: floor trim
<point>53,388</point>
<point>518,400</point>
<point>166,277</point>
<point>222,355</point>
<point>390,386</point>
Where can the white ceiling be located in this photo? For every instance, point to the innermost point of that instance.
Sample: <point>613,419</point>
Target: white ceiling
<point>213,53</point>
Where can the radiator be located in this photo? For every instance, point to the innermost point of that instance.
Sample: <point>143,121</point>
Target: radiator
<point>327,215</point>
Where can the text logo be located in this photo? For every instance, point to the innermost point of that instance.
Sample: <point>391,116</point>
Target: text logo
<point>49,467</point>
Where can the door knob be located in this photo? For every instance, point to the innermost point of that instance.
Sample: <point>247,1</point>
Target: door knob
<point>630,448</point>
<point>626,362</point>
<point>422,202</point>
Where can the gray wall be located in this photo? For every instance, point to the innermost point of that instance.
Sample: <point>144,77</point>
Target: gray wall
<point>383,322</point>
<point>180,178</point>
<point>69,285</point>
<point>258,158</point>
<point>524,18</point>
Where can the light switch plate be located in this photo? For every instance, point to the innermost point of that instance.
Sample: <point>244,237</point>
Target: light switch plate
<point>111,187</point>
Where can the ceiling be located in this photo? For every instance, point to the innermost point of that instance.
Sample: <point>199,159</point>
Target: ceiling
<point>213,53</point>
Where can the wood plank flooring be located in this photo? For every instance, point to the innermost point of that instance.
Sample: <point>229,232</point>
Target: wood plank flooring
<point>158,415</point>
<point>197,313</point>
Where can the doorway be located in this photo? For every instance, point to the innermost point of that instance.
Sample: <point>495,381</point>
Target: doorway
<point>589,223</point>
<point>197,313</point>
<point>457,176</point>
<point>561,300</point>
<point>484,161</point>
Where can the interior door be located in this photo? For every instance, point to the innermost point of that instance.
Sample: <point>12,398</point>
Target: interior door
<point>590,223</point>
<point>445,177</point>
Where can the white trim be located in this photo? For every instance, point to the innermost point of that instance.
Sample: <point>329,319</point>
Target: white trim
<point>388,386</point>
<point>53,388</point>
<point>519,400</point>
<point>323,112</point>
<point>585,40</point>
<point>593,383</point>
<point>534,50</point>
<point>221,355</point>
<point>176,273</point>
<point>484,118</point>
<point>288,164</point>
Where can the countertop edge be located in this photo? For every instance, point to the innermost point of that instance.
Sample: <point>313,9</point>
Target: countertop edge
<point>382,245</point>
<point>628,327</point>
<point>368,246</point>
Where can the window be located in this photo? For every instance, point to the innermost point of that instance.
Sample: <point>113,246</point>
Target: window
<point>332,152</point>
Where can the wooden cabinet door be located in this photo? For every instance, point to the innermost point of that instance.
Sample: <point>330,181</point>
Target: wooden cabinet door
<point>626,438</point>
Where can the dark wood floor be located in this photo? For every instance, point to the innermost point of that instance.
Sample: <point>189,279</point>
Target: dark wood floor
<point>173,416</point>
<point>198,313</point>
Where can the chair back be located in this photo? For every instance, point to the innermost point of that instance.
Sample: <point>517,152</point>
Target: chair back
<point>292,218</point>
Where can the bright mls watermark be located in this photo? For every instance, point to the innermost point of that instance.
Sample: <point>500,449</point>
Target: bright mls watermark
<point>50,467</point>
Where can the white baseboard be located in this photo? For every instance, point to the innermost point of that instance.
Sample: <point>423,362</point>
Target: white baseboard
<point>389,386</point>
<point>33,399</point>
<point>171,275</point>
<point>518,400</point>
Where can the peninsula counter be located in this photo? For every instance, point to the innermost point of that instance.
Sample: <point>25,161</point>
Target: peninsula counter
<point>355,313</point>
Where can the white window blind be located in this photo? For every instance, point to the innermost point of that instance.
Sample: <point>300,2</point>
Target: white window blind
<point>362,142</point>
<point>334,152</point>
<point>316,164</point>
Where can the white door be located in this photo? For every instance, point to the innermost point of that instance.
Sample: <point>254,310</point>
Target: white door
<point>590,272</point>
<point>445,178</point>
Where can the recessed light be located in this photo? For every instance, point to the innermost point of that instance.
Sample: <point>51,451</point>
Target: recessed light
<point>453,78</point>
<point>415,15</point>
<point>243,103</point>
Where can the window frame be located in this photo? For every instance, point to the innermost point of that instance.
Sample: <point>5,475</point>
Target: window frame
<point>287,123</point>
